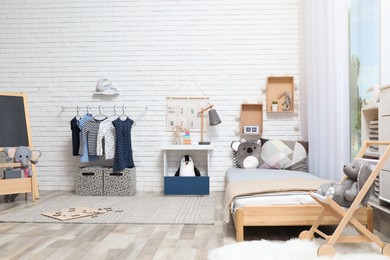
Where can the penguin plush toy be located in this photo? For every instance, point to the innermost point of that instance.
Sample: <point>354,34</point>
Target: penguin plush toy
<point>187,167</point>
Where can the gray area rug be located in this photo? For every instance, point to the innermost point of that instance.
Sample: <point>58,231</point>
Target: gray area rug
<point>139,209</point>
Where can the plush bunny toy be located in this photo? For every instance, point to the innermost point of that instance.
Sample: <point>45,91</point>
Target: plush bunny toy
<point>344,193</point>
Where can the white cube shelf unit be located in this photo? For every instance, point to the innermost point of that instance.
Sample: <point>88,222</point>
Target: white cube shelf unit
<point>196,185</point>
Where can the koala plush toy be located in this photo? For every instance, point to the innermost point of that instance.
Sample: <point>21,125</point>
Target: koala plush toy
<point>344,193</point>
<point>248,153</point>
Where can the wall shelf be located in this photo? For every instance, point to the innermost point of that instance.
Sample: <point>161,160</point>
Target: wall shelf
<point>369,115</point>
<point>380,205</point>
<point>276,86</point>
<point>106,93</point>
<point>251,115</point>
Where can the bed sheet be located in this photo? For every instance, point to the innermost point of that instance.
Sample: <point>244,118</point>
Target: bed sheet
<point>273,198</point>
<point>238,174</point>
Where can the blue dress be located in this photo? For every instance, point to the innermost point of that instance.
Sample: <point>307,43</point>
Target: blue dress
<point>123,150</point>
<point>75,136</point>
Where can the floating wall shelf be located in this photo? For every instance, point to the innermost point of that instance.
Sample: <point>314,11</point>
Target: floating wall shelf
<point>276,87</point>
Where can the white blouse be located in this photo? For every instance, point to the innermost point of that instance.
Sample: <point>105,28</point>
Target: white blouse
<point>106,131</point>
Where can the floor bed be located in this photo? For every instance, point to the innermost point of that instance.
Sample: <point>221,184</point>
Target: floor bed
<point>290,213</point>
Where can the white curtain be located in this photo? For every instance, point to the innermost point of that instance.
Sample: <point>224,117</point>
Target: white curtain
<point>325,86</point>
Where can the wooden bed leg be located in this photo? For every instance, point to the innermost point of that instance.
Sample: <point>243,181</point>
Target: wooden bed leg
<point>239,225</point>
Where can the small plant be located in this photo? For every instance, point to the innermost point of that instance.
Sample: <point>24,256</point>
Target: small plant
<point>274,106</point>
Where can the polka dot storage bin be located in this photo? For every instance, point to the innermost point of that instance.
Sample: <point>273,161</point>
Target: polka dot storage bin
<point>121,183</point>
<point>89,181</point>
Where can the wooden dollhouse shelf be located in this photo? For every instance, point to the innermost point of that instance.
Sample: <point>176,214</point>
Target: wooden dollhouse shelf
<point>277,86</point>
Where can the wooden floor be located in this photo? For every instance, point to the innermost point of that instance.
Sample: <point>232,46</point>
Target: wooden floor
<point>122,241</point>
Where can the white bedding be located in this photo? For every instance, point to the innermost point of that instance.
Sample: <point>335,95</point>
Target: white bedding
<point>282,198</point>
<point>274,198</point>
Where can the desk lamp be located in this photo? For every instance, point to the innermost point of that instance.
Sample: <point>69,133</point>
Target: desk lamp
<point>213,120</point>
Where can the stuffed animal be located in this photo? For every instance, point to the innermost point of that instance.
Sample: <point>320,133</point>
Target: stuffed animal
<point>345,192</point>
<point>248,153</point>
<point>24,156</point>
<point>187,167</point>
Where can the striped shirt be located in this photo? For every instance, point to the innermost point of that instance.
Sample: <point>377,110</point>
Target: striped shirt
<point>89,132</point>
<point>85,157</point>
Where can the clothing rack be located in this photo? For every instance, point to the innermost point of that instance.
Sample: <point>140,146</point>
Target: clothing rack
<point>115,107</point>
<point>121,110</point>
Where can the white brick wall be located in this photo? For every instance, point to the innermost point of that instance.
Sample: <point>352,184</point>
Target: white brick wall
<point>56,51</point>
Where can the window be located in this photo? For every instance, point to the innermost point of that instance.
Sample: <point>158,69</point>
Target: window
<point>364,60</point>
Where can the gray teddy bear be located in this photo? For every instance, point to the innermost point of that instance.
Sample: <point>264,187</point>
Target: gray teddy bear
<point>344,193</point>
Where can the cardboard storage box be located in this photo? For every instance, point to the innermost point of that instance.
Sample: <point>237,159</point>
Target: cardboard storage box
<point>89,181</point>
<point>121,183</point>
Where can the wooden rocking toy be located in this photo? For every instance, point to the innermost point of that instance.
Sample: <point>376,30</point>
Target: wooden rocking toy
<point>346,216</point>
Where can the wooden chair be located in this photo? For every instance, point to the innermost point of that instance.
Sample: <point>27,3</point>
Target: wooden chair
<point>346,216</point>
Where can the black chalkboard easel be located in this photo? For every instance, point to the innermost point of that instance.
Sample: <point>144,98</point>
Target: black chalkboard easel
<point>14,132</point>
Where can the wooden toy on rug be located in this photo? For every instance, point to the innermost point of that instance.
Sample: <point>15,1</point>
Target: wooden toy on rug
<point>73,213</point>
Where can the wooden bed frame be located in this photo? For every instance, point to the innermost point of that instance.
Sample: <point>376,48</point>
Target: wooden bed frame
<point>290,215</point>
<point>308,215</point>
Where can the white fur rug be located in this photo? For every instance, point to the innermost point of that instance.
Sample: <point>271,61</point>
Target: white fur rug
<point>294,249</point>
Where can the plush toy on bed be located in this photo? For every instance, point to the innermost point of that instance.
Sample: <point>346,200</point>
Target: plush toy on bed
<point>248,153</point>
<point>345,192</point>
<point>187,167</point>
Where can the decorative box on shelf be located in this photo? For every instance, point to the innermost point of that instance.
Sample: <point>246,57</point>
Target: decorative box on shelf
<point>186,185</point>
